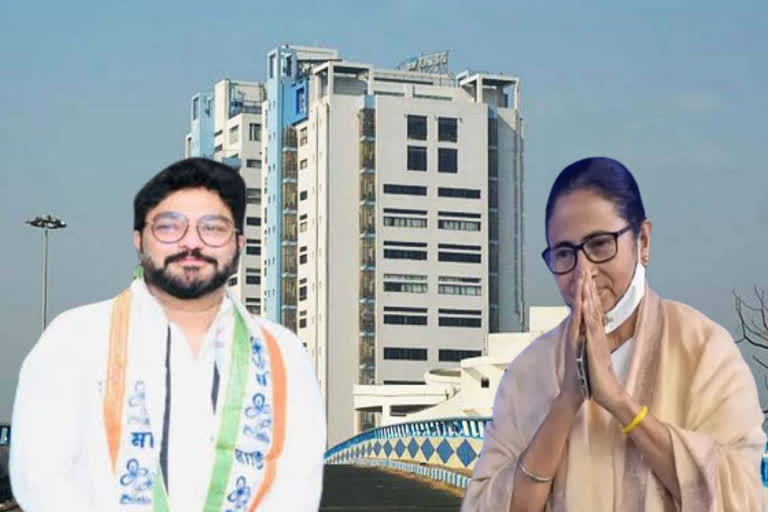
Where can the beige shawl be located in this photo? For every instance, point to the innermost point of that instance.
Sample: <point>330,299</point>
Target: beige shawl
<point>689,372</point>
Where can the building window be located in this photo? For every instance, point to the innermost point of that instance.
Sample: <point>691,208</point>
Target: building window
<point>195,108</point>
<point>253,249</point>
<point>447,129</point>
<point>405,222</point>
<point>254,131</point>
<point>448,285</point>
<point>447,160</point>
<point>405,283</point>
<point>405,212</point>
<point>272,65</point>
<point>232,281</point>
<point>302,226</point>
<point>253,279</point>
<point>217,148</point>
<point>253,221</point>
<point>417,158</point>
<point>253,164</point>
<point>302,323</point>
<point>405,287</point>
<point>403,254</point>
<point>301,101</point>
<point>458,225</point>
<point>412,190</point>
<point>289,65</point>
<point>302,259</point>
<point>457,355</point>
<point>485,382</point>
<point>458,289</point>
<point>417,127</point>
<point>302,195</point>
<point>459,321</point>
<point>468,318</point>
<point>234,134</point>
<point>303,164</point>
<point>458,257</point>
<point>302,293</point>
<point>465,215</point>
<point>405,354</point>
<point>303,136</point>
<point>253,195</point>
<point>465,193</point>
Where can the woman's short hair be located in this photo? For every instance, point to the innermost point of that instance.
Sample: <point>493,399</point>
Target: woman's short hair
<point>192,173</point>
<point>608,178</point>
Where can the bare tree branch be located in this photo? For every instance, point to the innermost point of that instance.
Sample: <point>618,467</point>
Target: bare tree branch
<point>753,332</point>
<point>758,361</point>
<point>753,320</point>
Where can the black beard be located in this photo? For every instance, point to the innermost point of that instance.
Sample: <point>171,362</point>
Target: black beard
<point>187,290</point>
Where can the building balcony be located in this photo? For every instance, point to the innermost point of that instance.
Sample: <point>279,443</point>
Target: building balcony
<point>290,140</point>
<point>288,318</point>
<point>289,195</point>
<point>367,118</point>
<point>367,285</point>
<point>289,291</point>
<point>367,154</point>
<point>367,219</point>
<point>367,187</point>
<point>237,107</point>
<point>290,166</point>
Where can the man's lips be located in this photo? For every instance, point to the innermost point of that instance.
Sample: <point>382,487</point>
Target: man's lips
<point>192,261</point>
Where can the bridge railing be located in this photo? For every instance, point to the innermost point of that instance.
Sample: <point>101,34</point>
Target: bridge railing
<point>450,443</point>
<point>453,444</point>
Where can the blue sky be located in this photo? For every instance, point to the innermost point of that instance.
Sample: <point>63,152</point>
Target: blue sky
<point>94,99</point>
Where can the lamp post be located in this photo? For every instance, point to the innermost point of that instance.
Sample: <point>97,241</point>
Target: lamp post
<point>46,223</point>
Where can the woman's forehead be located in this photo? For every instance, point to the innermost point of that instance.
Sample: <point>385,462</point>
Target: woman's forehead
<point>579,214</point>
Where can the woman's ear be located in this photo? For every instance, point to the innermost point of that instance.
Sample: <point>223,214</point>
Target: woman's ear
<point>644,242</point>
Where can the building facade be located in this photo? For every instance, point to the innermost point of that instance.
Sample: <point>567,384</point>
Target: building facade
<point>227,126</point>
<point>388,196</point>
<point>387,210</point>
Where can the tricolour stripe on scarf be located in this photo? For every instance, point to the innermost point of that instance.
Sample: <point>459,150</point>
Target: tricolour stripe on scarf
<point>277,369</point>
<point>231,415</point>
<point>114,395</point>
<point>159,495</point>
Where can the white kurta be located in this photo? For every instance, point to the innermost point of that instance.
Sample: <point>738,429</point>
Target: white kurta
<point>59,456</point>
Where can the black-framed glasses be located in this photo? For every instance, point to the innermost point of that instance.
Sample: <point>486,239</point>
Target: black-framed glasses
<point>598,248</point>
<point>213,230</point>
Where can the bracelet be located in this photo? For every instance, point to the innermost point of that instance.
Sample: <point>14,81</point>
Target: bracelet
<point>535,478</point>
<point>635,422</point>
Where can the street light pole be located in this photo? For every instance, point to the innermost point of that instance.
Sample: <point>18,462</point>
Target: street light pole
<point>46,223</point>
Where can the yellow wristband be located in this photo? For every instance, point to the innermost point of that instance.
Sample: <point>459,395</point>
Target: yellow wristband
<point>635,422</point>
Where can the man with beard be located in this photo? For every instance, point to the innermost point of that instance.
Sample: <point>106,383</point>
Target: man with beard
<point>170,397</point>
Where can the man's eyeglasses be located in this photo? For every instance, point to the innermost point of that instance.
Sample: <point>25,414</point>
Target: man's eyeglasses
<point>170,227</point>
<point>598,248</point>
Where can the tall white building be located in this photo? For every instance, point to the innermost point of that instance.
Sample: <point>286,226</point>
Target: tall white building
<point>393,219</point>
<point>227,126</point>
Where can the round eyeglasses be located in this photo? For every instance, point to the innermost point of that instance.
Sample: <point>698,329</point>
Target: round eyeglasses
<point>598,248</point>
<point>213,230</point>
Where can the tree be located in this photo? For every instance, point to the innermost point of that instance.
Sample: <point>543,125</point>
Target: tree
<point>753,318</point>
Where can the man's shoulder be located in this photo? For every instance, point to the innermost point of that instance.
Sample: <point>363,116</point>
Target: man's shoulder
<point>76,327</point>
<point>82,317</point>
<point>74,337</point>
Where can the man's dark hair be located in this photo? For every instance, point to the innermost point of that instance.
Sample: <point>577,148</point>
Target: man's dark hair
<point>192,173</point>
<point>609,179</point>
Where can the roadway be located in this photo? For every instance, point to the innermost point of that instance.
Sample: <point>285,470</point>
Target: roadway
<point>366,489</point>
